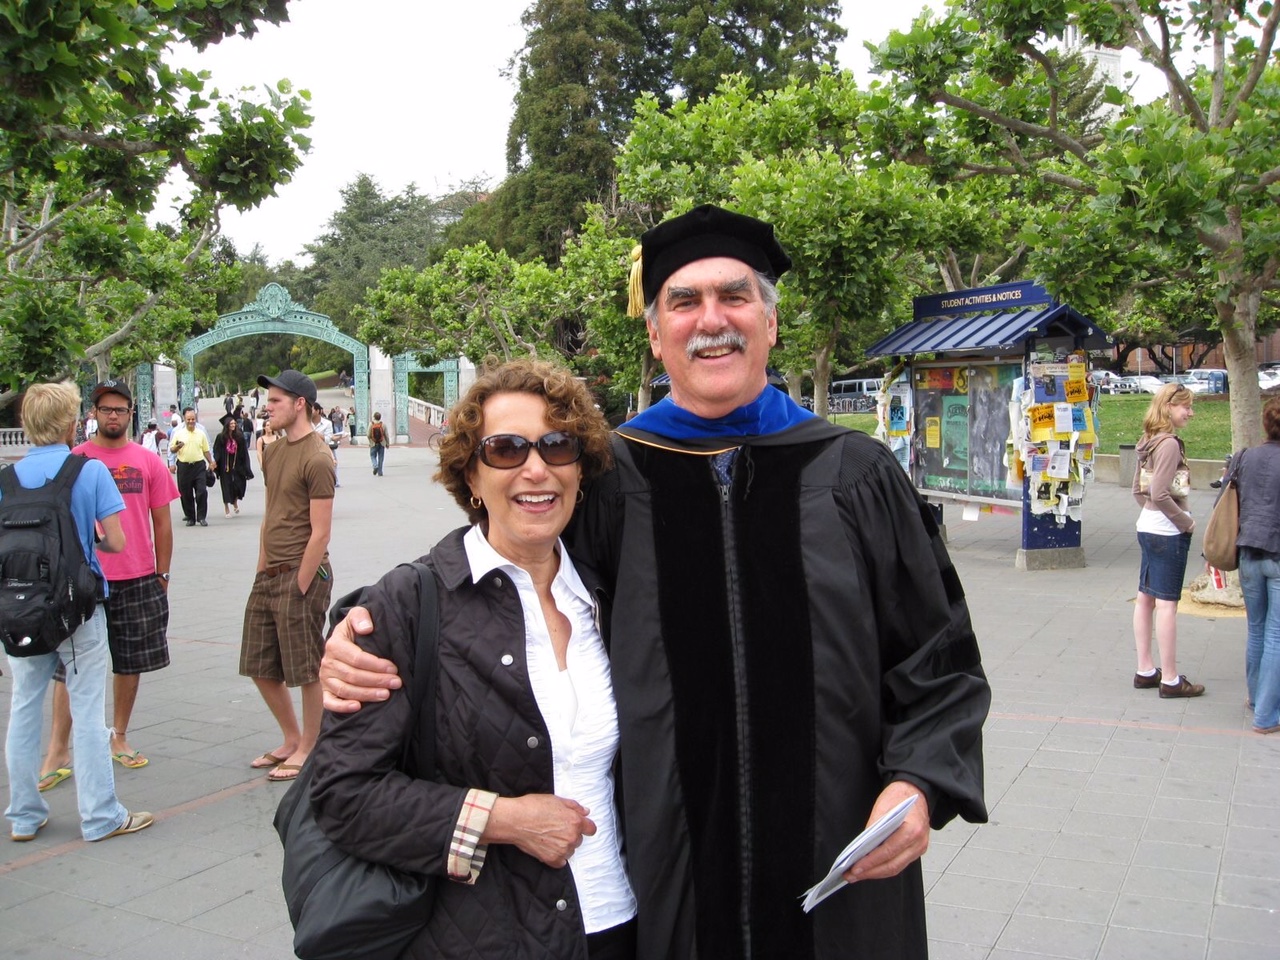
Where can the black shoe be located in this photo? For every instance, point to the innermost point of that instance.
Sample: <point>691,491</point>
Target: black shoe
<point>203,523</point>
<point>1183,688</point>
<point>1146,683</point>
<point>189,523</point>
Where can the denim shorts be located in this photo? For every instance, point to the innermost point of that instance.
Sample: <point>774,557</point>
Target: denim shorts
<point>1164,564</point>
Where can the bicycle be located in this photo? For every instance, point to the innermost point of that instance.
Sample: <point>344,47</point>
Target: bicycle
<point>433,441</point>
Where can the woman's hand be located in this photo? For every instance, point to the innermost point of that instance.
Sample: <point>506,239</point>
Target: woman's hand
<point>547,827</point>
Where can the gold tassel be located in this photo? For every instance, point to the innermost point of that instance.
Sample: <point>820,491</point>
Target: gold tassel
<point>635,284</point>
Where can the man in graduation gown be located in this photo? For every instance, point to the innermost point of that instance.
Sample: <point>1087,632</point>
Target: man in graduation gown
<point>792,653</point>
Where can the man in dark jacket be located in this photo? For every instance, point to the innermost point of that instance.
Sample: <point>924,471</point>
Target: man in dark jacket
<point>817,670</point>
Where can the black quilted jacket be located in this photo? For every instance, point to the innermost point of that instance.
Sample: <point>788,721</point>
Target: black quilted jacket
<point>489,734</point>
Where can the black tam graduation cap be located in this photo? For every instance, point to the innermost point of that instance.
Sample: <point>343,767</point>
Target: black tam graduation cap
<point>705,231</point>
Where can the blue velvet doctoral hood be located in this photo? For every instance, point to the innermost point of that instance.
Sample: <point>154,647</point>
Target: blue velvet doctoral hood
<point>771,412</point>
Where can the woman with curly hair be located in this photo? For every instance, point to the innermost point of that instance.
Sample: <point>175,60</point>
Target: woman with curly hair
<point>526,722</point>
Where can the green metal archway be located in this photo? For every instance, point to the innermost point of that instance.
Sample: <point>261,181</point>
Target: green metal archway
<point>407,363</point>
<point>275,312</point>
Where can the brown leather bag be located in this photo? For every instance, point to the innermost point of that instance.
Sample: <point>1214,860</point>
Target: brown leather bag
<point>1223,528</point>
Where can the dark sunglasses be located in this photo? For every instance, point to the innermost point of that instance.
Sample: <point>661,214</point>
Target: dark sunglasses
<point>506,451</point>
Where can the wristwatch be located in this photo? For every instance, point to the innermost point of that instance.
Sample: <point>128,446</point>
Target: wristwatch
<point>163,576</point>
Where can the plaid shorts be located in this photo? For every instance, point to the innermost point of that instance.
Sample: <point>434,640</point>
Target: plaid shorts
<point>283,636</point>
<point>137,626</point>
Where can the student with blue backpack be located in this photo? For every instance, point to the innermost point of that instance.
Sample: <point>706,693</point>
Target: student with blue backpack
<point>50,588</point>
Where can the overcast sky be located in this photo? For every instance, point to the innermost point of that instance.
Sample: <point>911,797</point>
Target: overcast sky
<point>407,92</point>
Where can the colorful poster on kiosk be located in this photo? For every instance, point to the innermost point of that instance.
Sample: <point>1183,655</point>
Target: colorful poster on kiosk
<point>964,410</point>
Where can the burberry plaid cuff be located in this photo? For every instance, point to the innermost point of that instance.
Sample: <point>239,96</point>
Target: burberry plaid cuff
<point>466,852</point>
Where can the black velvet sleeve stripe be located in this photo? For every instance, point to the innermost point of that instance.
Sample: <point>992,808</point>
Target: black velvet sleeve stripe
<point>936,696</point>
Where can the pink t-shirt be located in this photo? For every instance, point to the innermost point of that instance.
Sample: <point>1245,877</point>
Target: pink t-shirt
<point>145,483</point>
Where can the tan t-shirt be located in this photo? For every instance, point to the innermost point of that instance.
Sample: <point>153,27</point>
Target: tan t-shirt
<point>295,473</point>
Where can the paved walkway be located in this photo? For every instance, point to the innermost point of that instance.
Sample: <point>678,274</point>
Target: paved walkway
<point>1122,826</point>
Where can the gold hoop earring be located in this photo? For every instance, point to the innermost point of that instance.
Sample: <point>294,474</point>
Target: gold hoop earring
<point>476,503</point>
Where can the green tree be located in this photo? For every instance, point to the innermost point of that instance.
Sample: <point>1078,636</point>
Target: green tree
<point>594,273</point>
<point>769,43</point>
<point>370,232</point>
<point>92,119</point>
<point>474,302</point>
<point>1182,190</point>
<point>791,157</point>
<point>583,66</point>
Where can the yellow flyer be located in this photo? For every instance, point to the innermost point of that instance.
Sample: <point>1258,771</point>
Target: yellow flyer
<point>1042,420</point>
<point>933,432</point>
<point>1077,391</point>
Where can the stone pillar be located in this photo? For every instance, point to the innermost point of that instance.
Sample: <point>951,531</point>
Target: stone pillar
<point>382,394</point>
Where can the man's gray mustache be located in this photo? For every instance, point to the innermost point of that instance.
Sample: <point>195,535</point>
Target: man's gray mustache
<point>707,341</point>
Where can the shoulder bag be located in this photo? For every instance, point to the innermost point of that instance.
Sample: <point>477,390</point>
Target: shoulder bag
<point>1223,528</point>
<point>340,905</point>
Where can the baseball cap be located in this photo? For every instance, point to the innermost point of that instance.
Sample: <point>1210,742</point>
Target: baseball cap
<point>111,386</point>
<point>291,381</point>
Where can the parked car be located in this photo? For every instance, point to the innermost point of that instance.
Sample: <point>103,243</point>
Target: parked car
<point>1188,381</point>
<point>1126,385</point>
<point>1268,379</point>
<point>1148,384</point>
<point>1214,378</point>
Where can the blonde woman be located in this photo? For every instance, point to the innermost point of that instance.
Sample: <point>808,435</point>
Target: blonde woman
<point>1160,485</point>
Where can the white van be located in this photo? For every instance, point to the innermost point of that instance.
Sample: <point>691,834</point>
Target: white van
<point>854,388</point>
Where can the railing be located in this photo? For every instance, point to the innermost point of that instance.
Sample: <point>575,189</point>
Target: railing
<point>429,412</point>
<point>13,437</point>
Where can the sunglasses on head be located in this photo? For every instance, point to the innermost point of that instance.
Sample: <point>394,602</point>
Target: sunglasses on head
<point>506,451</point>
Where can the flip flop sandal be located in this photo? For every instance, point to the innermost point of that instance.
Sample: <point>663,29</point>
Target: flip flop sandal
<point>271,761</point>
<point>291,774</point>
<point>130,760</point>
<point>54,777</point>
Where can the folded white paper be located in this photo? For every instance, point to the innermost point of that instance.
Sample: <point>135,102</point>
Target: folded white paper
<point>862,844</point>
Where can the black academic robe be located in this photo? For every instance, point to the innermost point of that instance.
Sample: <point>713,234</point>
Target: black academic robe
<point>782,649</point>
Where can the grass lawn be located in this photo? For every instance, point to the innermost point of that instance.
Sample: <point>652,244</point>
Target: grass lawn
<point>1207,436</point>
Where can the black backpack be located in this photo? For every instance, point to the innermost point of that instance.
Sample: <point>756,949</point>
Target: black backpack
<point>47,588</point>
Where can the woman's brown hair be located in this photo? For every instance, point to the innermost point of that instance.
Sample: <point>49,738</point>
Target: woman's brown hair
<point>570,408</point>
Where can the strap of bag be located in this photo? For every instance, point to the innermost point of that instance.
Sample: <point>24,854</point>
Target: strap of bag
<point>65,478</point>
<point>69,471</point>
<point>426,664</point>
<point>1151,450</point>
<point>1233,474</point>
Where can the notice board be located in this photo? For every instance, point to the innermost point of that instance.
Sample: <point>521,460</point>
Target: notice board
<point>962,428</point>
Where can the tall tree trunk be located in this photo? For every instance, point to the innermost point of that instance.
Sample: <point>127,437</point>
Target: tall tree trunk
<point>1238,320</point>
<point>795,385</point>
<point>645,395</point>
<point>822,373</point>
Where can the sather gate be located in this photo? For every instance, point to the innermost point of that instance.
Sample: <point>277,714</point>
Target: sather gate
<point>275,312</point>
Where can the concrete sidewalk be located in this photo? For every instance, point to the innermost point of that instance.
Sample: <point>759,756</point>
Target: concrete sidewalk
<point>1122,826</point>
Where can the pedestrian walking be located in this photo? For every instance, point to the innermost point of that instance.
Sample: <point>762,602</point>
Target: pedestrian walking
<point>193,461</point>
<point>231,463</point>
<point>377,444</point>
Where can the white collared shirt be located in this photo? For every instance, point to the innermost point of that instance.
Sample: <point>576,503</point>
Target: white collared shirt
<point>581,715</point>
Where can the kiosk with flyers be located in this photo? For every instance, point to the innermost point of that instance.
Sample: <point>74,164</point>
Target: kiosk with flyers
<point>990,407</point>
